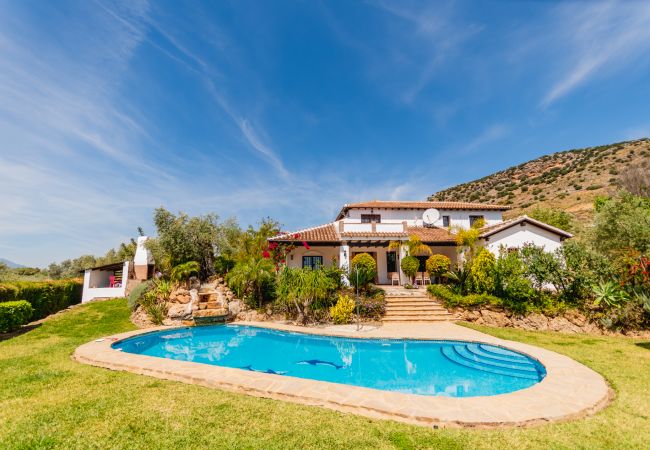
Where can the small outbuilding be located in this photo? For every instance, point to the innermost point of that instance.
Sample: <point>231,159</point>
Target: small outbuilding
<point>117,279</point>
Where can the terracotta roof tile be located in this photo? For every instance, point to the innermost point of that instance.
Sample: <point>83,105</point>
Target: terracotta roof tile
<point>433,234</point>
<point>321,233</point>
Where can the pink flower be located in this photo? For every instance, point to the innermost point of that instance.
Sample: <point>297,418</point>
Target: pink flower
<point>266,254</point>
<point>306,245</point>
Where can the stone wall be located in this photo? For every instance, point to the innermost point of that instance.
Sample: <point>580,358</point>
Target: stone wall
<point>571,321</point>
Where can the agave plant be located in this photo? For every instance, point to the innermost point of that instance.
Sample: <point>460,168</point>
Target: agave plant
<point>610,294</point>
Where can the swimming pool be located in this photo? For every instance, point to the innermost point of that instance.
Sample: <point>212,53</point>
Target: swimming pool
<point>435,368</point>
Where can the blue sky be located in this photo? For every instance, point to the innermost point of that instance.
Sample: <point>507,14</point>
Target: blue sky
<point>290,109</point>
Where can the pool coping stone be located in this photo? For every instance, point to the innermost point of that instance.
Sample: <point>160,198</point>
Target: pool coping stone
<point>570,390</point>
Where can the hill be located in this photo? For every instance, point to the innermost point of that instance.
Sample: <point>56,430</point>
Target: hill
<point>568,180</point>
<point>10,264</point>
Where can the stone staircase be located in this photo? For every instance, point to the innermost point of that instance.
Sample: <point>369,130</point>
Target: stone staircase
<point>212,307</point>
<point>413,305</point>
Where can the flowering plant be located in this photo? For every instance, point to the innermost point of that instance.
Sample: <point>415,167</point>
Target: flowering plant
<point>278,251</point>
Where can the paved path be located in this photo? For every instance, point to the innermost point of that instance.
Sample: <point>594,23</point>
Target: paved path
<point>569,390</point>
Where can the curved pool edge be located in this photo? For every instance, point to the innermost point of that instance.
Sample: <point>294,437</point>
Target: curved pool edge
<point>570,390</point>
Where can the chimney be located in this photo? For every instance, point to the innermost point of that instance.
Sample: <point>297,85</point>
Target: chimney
<point>143,260</point>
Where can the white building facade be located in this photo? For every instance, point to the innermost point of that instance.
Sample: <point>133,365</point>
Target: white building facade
<point>370,227</point>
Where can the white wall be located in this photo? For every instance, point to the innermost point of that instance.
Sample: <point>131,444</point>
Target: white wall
<point>100,278</point>
<point>517,236</point>
<point>329,254</point>
<point>414,216</point>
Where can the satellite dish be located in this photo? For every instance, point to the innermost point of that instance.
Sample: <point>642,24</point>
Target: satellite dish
<point>430,216</point>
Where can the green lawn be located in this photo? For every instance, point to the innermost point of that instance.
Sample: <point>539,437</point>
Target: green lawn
<point>49,401</point>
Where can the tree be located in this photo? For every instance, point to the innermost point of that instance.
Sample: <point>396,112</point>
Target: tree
<point>438,265</point>
<point>410,265</point>
<point>621,224</point>
<point>184,271</point>
<point>554,217</point>
<point>363,269</point>
<point>250,279</point>
<point>483,272</point>
<point>182,239</point>
<point>304,287</point>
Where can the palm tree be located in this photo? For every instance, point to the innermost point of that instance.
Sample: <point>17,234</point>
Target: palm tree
<point>249,278</point>
<point>184,271</point>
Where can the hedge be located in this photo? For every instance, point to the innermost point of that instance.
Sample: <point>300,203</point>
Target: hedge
<point>46,297</point>
<point>14,314</point>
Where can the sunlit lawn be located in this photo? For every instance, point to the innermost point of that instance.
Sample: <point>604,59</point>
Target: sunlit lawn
<point>47,400</point>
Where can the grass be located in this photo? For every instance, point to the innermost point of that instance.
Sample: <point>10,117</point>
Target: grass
<point>47,400</point>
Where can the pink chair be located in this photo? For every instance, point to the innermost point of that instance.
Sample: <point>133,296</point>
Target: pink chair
<point>111,281</point>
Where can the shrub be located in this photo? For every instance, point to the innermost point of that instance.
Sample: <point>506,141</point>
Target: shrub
<point>438,265</point>
<point>482,272</point>
<point>410,265</point>
<point>154,301</point>
<point>452,300</point>
<point>136,294</point>
<point>185,270</point>
<point>373,305</point>
<point>342,311</point>
<point>363,270</point>
<point>306,289</point>
<point>46,297</point>
<point>14,314</point>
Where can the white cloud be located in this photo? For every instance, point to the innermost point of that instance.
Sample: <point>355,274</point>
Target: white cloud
<point>595,40</point>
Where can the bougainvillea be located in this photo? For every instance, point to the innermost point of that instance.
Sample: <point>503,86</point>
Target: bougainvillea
<point>278,251</point>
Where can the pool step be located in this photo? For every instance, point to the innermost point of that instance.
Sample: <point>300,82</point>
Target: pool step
<point>464,355</point>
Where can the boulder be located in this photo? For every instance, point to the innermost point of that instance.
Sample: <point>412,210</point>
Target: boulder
<point>234,308</point>
<point>179,311</point>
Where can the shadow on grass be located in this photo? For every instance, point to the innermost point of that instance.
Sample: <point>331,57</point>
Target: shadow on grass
<point>23,330</point>
<point>645,345</point>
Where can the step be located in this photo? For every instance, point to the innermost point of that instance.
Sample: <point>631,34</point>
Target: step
<point>527,367</point>
<point>419,310</point>
<point>412,312</point>
<point>451,354</point>
<point>414,305</point>
<point>416,319</point>
<point>409,299</point>
<point>479,349</point>
<point>416,308</point>
<point>416,315</point>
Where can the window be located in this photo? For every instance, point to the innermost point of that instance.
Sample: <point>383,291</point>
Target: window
<point>473,219</point>
<point>423,263</point>
<point>391,262</point>
<point>370,218</point>
<point>446,221</point>
<point>313,262</point>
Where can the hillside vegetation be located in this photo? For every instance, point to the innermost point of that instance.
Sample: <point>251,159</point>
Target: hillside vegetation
<point>568,180</point>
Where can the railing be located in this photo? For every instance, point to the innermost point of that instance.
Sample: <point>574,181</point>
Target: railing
<point>372,227</point>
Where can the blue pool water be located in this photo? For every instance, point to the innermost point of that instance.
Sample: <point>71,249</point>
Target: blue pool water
<point>450,368</point>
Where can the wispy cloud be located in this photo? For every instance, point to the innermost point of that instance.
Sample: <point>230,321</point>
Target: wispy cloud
<point>596,39</point>
<point>440,35</point>
<point>490,134</point>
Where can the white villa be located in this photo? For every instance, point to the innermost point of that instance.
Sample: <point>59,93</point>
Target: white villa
<point>369,227</point>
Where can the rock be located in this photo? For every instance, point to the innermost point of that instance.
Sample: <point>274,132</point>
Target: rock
<point>140,318</point>
<point>211,313</point>
<point>179,311</point>
<point>194,283</point>
<point>194,296</point>
<point>234,308</point>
